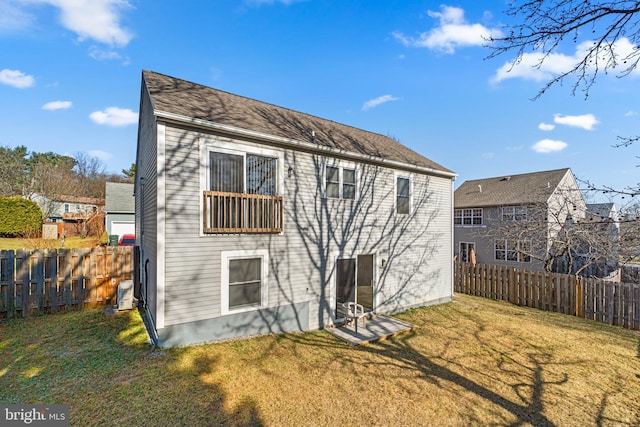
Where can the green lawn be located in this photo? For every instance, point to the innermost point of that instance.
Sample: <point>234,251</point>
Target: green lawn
<point>470,362</point>
<point>69,242</point>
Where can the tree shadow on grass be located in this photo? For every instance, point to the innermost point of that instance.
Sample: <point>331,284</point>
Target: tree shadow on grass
<point>400,358</point>
<point>105,370</point>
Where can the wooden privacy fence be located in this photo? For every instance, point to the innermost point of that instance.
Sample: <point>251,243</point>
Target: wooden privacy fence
<point>595,299</point>
<point>47,281</point>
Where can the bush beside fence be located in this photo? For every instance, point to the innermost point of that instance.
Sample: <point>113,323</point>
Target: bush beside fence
<point>47,281</point>
<point>595,299</point>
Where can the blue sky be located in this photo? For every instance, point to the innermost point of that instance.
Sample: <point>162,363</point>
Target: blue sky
<point>70,75</point>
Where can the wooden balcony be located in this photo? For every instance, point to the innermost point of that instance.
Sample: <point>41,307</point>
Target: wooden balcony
<point>241,213</point>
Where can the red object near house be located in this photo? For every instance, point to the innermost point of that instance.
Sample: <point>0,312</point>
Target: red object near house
<point>127,240</point>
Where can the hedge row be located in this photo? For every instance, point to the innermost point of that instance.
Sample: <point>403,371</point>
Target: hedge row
<point>19,217</point>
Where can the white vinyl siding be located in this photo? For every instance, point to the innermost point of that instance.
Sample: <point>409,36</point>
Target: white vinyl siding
<point>415,248</point>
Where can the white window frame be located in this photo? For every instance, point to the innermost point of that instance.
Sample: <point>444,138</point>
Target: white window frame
<point>462,217</point>
<point>224,282</point>
<point>520,256</point>
<point>512,211</point>
<point>208,145</point>
<point>397,175</point>
<point>340,165</point>
<point>460,251</point>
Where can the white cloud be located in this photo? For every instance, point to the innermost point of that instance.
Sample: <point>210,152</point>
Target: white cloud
<point>114,116</point>
<point>99,154</point>
<point>57,105</point>
<point>546,126</point>
<point>103,55</point>
<point>378,101</point>
<point>539,67</point>
<point>16,78</point>
<point>97,20</point>
<point>13,18</point>
<point>488,155</point>
<point>630,113</point>
<point>585,121</point>
<point>453,32</point>
<point>548,146</point>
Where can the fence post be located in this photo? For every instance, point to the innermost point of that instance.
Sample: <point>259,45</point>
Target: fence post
<point>53,285</point>
<point>10,274</point>
<point>38,277</point>
<point>579,296</point>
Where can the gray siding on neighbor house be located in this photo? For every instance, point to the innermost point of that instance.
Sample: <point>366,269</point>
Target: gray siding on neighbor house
<point>146,204</point>
<point>416,249</point>
<point>552,201</point>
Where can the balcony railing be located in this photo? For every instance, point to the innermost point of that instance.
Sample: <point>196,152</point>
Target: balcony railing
<point>241,213</point>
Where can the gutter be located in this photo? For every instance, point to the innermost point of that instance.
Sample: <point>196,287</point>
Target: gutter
<point>292,143</point>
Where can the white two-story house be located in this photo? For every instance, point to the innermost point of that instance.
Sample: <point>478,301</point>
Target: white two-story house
<point>253,218</point>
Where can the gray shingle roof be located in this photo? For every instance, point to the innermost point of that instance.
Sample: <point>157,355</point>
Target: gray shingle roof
<point>176,96</point>
<point>520,189</point>
<point>119,197</point>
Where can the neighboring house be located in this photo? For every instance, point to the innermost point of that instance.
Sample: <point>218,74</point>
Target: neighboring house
<point>62,208</point>
<point>490,216</point>
<point>607,214</point>
<point>74,215</point>
<point>604,218</point>
<point>256,219</point>
<point>119,208</point>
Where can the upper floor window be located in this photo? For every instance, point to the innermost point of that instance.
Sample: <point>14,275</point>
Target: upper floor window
<point>242,173</point>
<point>514,213</point>
<point>241,186</point>
<point>403,195</point>
<point>467,216</point>
<point>340,181</point>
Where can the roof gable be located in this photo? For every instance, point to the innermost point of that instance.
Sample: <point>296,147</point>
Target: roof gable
<point>119,197</point>
<point>191,100</point>
<point>520,189</point>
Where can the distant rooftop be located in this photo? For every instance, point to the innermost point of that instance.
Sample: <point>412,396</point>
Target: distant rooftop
<point>503,190</point>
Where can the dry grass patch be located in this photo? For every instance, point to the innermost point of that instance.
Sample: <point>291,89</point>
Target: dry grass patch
<point>470,362</point>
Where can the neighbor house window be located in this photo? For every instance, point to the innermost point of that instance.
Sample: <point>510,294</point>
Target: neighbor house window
<point>340,182</point>
<point>403,195</point>
<point>512,250</point>
<point>467,216</point>
<point>466,249</point>
<point>514,213</point>
<point>244,280</point>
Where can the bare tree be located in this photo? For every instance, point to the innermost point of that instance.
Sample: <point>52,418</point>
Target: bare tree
<point>603,30</point>
<point>562,236</point>
<point>606,35</point>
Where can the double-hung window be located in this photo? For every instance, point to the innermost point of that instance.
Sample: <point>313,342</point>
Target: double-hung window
<point>467,216</point>
<point>340,181</point>
<point>244,280</point>
<point>514,213</point>
<point>512,250</point>
<point>403,195</point>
